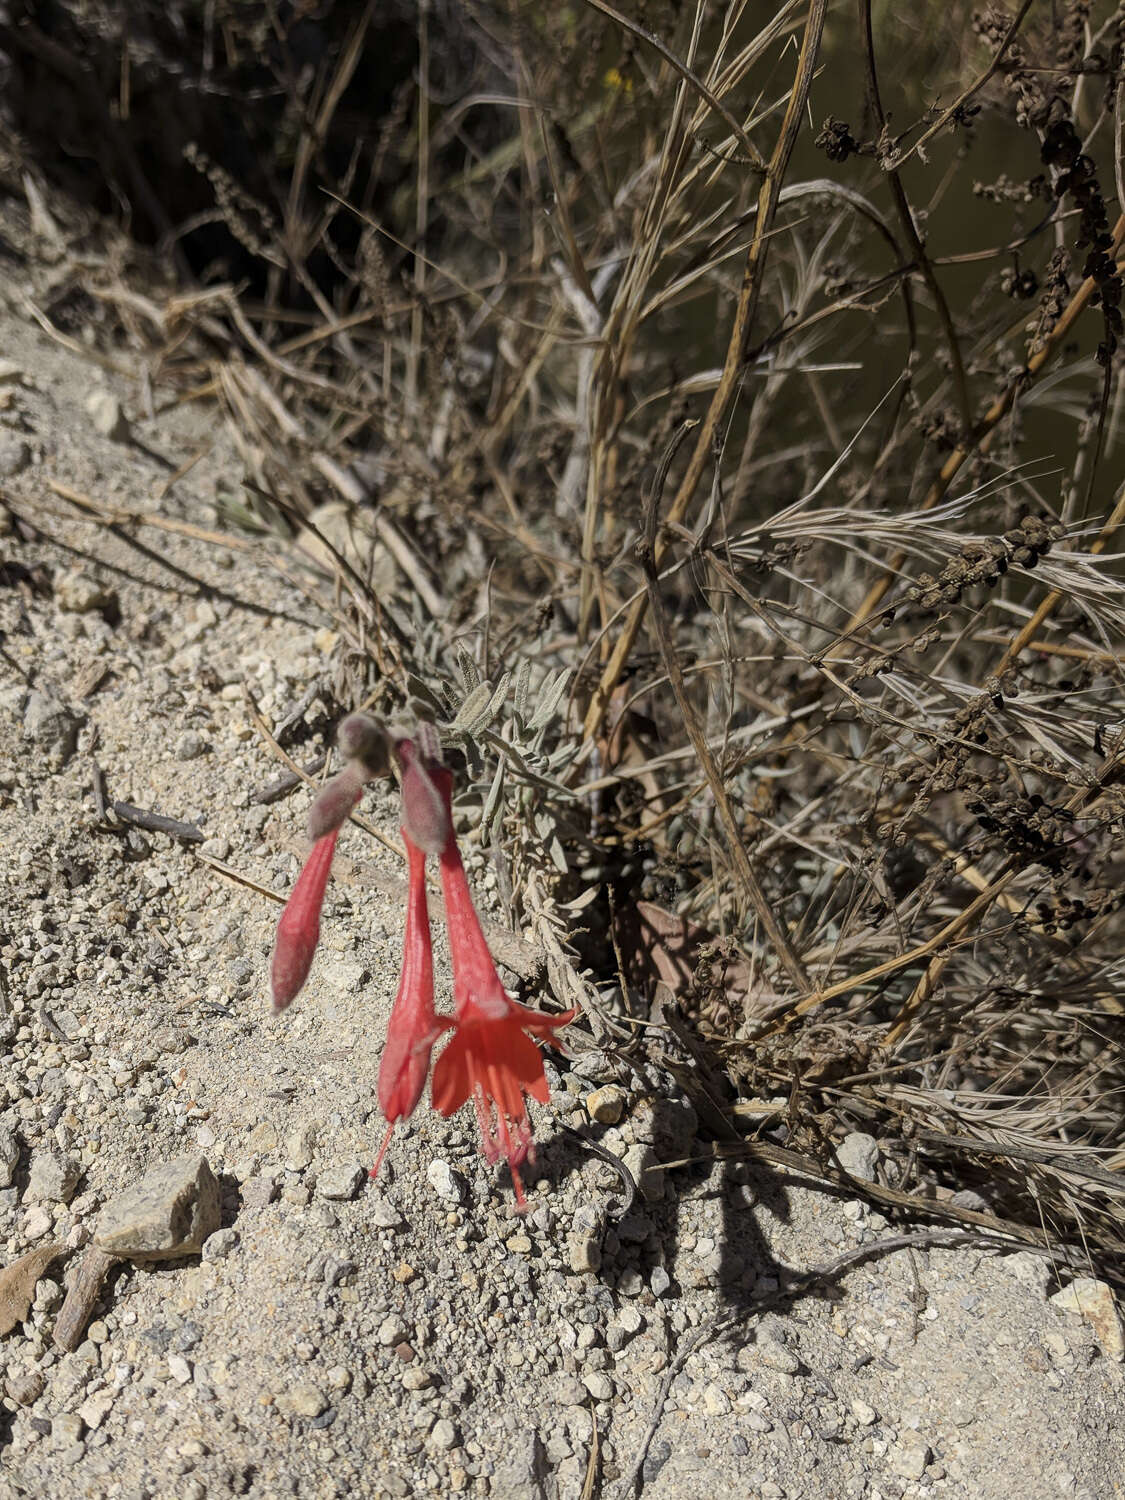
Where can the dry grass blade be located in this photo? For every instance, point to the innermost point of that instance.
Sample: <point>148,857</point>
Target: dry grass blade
<point>736,346</point>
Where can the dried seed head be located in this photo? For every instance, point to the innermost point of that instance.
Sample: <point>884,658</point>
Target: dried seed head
<point>362,738</point>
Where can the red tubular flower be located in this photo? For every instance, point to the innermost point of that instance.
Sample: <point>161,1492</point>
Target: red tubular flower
<point>299,928</point>
<point>491,1058</point>
<point>413,1027</point>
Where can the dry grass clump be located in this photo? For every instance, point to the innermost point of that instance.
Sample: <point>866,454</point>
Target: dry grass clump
<point>717,431</point>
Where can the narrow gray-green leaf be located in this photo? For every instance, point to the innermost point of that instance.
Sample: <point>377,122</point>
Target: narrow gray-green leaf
<point>418,689</point>
<point>470,672</point>
<point>474,706</point>
<point>492,801</point>
<point>549,700</point>
<point>499,695</point>
<point>558,856</point>
<point>523,682</point>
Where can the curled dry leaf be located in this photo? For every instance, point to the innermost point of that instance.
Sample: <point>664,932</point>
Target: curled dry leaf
<point>17,1284</point>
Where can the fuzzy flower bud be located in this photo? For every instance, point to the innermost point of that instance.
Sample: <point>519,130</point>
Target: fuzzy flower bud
<point>425,813</point>
<point>334,802</point>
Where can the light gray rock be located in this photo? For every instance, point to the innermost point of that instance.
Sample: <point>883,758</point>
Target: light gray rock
<point>446,1181</point>
<point>1033,1270</point>
<point>669,1125</point>
<point>9,1155</point>
<point>392,1330</point>
<point>583,1252</point>
<point>51,724</point>
<point>521,1473</point>
<point>220,1244</point>
<point>641,1161</point>
<point>191,746</point>
<point>910,1455</point>
<point>66,1430</point>
<point>443,1435</point>
<point>298,1147</point>
<point>78,592</point>
<point>385,1215</point>
<point>599,1385</point>
<point>1094,1301</point>
<point>341,1181</point>
<point>169,1212</point>
<point>52,1179</point>
<point>303,1400</point>
<point>858,1154</point>
<point>778,1357</point>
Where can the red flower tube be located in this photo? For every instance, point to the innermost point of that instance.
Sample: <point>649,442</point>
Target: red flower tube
<point>491,1059</point>
<point>413,1027</point>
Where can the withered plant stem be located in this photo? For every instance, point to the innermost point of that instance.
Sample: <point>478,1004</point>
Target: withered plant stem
<point>772,927</point>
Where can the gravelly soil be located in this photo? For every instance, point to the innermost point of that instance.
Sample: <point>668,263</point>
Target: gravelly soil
<point>341,1337</point>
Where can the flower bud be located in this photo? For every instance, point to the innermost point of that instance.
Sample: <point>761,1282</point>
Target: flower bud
<point>298,931</point>
<point>362,738</point>
<point>425,816</point>
<point>334,802</point>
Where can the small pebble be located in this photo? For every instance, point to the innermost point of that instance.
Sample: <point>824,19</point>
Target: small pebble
<point>599,1385</point>
<point>384,1215</point>
<point>66,1430</point>
<point>1094,1301</point>
<point>220,1244</point>
<point>443,1435</point>
<point>78,592</point>
<point>52,1179</point>
<point>858,1154</point>
<point>446,1181</point>
<point>392,1330</point>
<point>340,1182</point>
<point>303,1400</point>
<point>910,1455</point>
<point>606,1105</point>
<point>584,1252</point>
<point>191,746</point>
<point>777,1356</point>
<point>36,1224</point>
